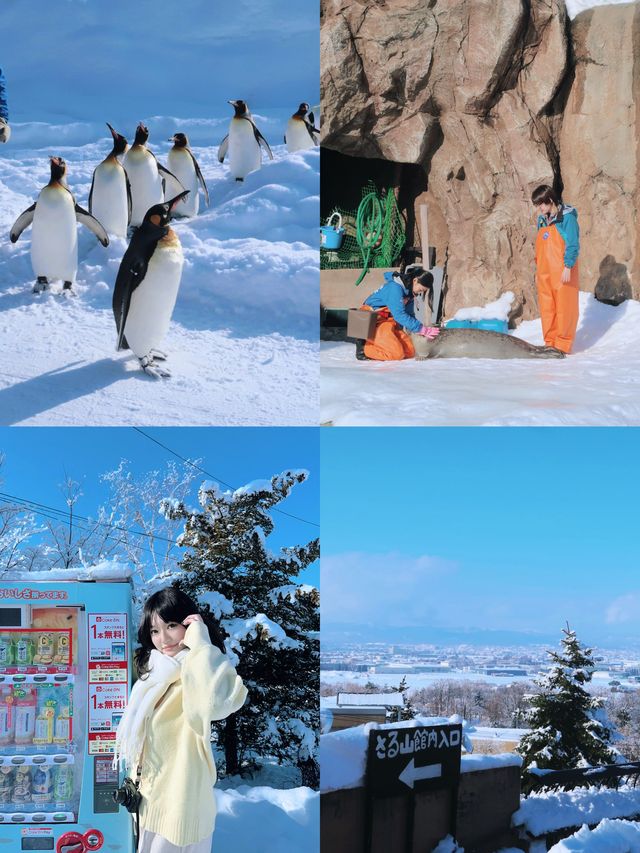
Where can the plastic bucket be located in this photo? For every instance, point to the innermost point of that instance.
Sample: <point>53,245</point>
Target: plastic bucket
<point>331,236</point>
<point>487,325</point>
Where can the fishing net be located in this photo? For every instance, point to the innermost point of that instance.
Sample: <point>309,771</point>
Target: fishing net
<point>374,234</point>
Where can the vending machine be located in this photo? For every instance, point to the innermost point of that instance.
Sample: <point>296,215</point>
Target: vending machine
<point>65,672</point>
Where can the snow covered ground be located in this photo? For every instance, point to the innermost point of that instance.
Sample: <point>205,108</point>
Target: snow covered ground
<point>243,341</point>
<point>610,836</point>
<point>267,819</point>
<point>599,385</point>
<point>550,811</point>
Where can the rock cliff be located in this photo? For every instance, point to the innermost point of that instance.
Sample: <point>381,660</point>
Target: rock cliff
<point>491,98</point>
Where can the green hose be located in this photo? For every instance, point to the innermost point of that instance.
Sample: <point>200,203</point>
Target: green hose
<point>369,223</point>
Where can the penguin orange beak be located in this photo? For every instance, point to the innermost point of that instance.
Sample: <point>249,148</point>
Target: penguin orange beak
<point>177,199</point>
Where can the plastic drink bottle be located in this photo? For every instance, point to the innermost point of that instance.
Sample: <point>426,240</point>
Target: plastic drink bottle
<point>43,784</point>
<point>6,784</point>
<point>6,650</point>
<point>22,785</point>
<point>63,785</point>
<point>23,651</point>
<point>7,716</point>
<point>25,715</point>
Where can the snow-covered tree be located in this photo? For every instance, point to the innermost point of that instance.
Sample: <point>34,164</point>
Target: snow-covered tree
<point>569,727</point>
<point>271,623</point>
<point>407,712</point>
<point>21,549</point>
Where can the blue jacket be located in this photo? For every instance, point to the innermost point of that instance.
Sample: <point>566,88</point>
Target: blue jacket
<point>566,221</point>
<point>392,295</point>
<point>4,112</point>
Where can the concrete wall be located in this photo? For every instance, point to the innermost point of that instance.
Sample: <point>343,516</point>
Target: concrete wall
<point>486,801</point>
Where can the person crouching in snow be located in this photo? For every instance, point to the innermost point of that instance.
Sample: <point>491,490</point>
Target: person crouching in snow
<point>185,681</point>
<point>557,249</point>
<point>393,303</point>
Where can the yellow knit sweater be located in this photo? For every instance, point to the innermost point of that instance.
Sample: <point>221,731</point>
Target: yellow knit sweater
<point>178,770</point>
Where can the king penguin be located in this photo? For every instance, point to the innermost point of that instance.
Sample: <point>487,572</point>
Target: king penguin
<point>243,143</point>
<point>301,132</point>
<point>147,286</point>
<point>110,195</point>
<point>186,169</point>
<point>146,176</point>
<point>54,238</point>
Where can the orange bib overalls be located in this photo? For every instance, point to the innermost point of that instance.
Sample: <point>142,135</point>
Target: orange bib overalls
<point>390,342</point>
<point>558,301</point>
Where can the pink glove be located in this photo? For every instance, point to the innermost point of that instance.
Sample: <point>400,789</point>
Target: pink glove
<point>429,332</point>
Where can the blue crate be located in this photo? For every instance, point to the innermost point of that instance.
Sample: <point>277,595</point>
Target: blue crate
<point>488,325</point>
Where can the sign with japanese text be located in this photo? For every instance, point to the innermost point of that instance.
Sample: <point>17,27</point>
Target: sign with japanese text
<point>413,758</point>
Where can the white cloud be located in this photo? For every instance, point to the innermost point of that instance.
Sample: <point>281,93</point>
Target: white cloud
<point>385,589</point>
<point>625,608</point>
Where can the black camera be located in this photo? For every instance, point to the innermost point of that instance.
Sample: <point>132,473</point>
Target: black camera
<point>128,795</point>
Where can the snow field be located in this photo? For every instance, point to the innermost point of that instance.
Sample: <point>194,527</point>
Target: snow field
<point>243,339</point>
<point>598,385</point>
<point>610,836</point>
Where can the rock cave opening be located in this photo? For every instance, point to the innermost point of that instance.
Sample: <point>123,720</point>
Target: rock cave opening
<point>343,178</point>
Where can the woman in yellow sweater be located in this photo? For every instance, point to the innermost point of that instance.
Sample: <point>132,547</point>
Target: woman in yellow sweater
<point>185,682</point>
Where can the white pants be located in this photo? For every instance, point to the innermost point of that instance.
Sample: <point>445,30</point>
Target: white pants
<point>152,843</point>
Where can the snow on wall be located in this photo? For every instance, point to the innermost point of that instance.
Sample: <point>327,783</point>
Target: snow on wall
<point>552,810</point>
<point>107,570</point>
<point>343,754</point>
<point>497,310</point>
<point>611,836</point>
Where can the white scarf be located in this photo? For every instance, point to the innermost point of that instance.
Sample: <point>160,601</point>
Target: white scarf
<point>146,693</point>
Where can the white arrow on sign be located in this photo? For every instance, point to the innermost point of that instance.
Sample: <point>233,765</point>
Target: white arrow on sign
<point>412,774</point>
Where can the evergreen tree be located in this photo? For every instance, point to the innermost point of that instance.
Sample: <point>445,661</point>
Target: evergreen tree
<point>270,623</point>
<point>569,727</point>
<point>407,712</point>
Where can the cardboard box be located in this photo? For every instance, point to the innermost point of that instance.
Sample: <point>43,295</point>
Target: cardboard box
<point>361,324</point>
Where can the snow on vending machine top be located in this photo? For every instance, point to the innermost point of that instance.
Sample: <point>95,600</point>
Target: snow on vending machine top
<point>65,671</point>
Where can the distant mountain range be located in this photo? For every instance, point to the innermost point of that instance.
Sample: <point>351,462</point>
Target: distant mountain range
<point>337,634</point>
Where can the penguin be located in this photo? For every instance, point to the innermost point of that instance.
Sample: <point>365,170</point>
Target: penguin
<point>146,176</point>
<point>301,133</point>
<point>147,286</point>
<point>110,194</point>
<point>54,238</point>
<point>243,143</point>
<point>185,167</point>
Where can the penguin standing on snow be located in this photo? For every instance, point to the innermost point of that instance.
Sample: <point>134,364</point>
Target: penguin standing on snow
<point>185,167</point>
<point>110,195</point>
<point>147,177</point>
<point>243,143</point>
<point>54,237</point>
<point>147,286</point>
<point>301,133</point>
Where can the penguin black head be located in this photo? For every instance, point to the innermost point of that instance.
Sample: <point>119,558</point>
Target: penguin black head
<point>303,109</point>
<point>160,214</point>
<point>240,107</point>
<point>179,140</point>
<point>58,168</point>
<point>142,134</point>
<point>120,144</point>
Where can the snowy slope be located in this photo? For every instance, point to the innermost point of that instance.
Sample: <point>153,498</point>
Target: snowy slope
<point>243,340</point>
<point>599,385</point>
<point>267,820</point>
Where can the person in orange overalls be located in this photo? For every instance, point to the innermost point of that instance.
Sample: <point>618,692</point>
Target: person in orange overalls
<point>557,249</point>
<point>393,303</point>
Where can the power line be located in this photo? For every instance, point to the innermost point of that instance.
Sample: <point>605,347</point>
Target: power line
<point>213,476</point>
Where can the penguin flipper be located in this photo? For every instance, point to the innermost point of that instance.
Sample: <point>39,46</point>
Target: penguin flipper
<point>223,148</point>
<point>129,199</point>
<point>93,180</point>
<point>172,186</point>
<point>23,221</point>
<point>200,177</point>
<point>133,269</point>
<point>311,118</point>
<point>262,141</point>
<point>312,131</point>
<point>85,218</point>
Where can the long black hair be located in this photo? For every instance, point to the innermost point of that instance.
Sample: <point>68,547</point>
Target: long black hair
<point>545,194</point>
<point>171,605</point>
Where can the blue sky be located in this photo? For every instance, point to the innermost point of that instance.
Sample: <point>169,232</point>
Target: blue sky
<point>517,529</point>
<point>36,460</point>
<point>81,59</point>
